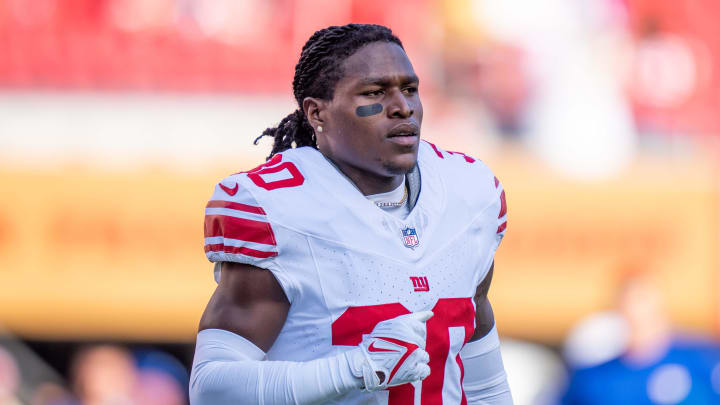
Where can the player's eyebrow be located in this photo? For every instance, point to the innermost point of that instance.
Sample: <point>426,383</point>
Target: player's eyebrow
<point>388,80</point>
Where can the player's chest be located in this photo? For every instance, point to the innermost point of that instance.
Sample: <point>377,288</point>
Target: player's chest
<point>442,268</point>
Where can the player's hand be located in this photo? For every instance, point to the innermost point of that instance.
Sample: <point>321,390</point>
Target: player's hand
<point>393,353</point>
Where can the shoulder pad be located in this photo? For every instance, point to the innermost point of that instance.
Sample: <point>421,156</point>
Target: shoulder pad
<point>236,227</point>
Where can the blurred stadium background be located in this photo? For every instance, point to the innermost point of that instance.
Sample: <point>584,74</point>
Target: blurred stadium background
<point>117,117</point>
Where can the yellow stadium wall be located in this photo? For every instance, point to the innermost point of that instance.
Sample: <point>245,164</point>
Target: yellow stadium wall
<point>87,253</point>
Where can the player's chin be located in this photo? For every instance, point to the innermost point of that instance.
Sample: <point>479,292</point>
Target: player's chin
<point>401,163</point>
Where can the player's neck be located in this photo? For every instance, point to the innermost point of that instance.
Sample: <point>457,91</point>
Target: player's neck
<point>369,183</point>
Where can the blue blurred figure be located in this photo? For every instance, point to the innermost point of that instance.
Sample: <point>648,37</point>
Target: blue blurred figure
<point>658,366</point>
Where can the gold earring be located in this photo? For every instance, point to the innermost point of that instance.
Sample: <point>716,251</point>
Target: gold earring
<point>319,128</point>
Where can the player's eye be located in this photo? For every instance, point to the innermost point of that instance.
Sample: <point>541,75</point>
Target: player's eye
<point>410,90</point>
<point>373,93</point>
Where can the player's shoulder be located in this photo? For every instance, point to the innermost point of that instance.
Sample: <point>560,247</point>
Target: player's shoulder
<point>245,213</point>
<point>472,187</point>
<point>462,174</point>
<point>236,226</point>
<point>252,202</point>
<point>284,173</point>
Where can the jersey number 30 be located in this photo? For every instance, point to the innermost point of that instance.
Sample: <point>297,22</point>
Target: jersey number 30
<point>447,331</point>
<point>270,167</point>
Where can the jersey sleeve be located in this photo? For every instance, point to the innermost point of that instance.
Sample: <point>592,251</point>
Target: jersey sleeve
<point>237,228</point>
<point>502,214</point>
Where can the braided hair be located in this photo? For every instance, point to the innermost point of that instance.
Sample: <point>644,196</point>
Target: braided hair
<point>316,74</point>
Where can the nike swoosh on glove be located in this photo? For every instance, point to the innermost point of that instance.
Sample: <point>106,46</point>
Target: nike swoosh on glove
<point>395,349</point>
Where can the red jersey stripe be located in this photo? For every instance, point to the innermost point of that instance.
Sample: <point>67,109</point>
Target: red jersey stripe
<point>502,227</point>
<point>503,205</point>
<point>235,206</point>
<point>239,250</point>
<point>437,152</point>
<point>239,228</point>
<point>459,362</point>
<point>497,182</point>
<point>467,158</point>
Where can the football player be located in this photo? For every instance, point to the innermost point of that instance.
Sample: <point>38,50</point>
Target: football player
<point>353,266</point>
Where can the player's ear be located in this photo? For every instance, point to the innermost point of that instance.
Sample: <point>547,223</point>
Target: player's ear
<point>314,111</point>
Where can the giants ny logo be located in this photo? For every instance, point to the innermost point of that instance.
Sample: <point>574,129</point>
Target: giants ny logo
<point>420,283</point>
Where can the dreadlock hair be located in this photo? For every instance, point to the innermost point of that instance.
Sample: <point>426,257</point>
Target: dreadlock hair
<point>316,74</point>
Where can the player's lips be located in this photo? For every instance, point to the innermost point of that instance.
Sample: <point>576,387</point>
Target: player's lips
<point>404,134</point>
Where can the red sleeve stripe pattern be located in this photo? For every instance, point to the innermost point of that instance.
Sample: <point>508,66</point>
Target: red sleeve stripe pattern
<point>235,250</point>
<point>237,229</point>
<point>236,206</point>
<point>502,215</point>
<point>502,227</point>
<point>503,205</point>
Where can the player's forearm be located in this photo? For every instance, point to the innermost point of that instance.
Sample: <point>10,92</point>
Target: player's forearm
<point>485,380</point>
<point>228,370</point>
<point>269,382</point>
<point>496,392</point>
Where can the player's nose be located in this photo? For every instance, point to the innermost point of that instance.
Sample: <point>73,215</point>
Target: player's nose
<point>399,106</point>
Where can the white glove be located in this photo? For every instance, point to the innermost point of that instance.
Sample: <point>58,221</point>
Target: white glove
<point>395,349</point>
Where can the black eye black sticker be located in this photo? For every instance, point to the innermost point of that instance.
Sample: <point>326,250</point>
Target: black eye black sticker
<point>368,110</point>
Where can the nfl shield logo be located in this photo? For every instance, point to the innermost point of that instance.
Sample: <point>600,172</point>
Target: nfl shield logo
<point>410,238</point>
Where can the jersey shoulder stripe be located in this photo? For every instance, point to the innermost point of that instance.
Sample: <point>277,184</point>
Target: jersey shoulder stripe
<point>237,228</point>
<point>232,227</point>
<point>235,206</point>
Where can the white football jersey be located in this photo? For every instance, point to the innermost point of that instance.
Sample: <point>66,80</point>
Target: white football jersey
<point>346,264</point>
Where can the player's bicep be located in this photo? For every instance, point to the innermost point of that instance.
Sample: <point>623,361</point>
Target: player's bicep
<point>484,318</point>
<point>248,301</point>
